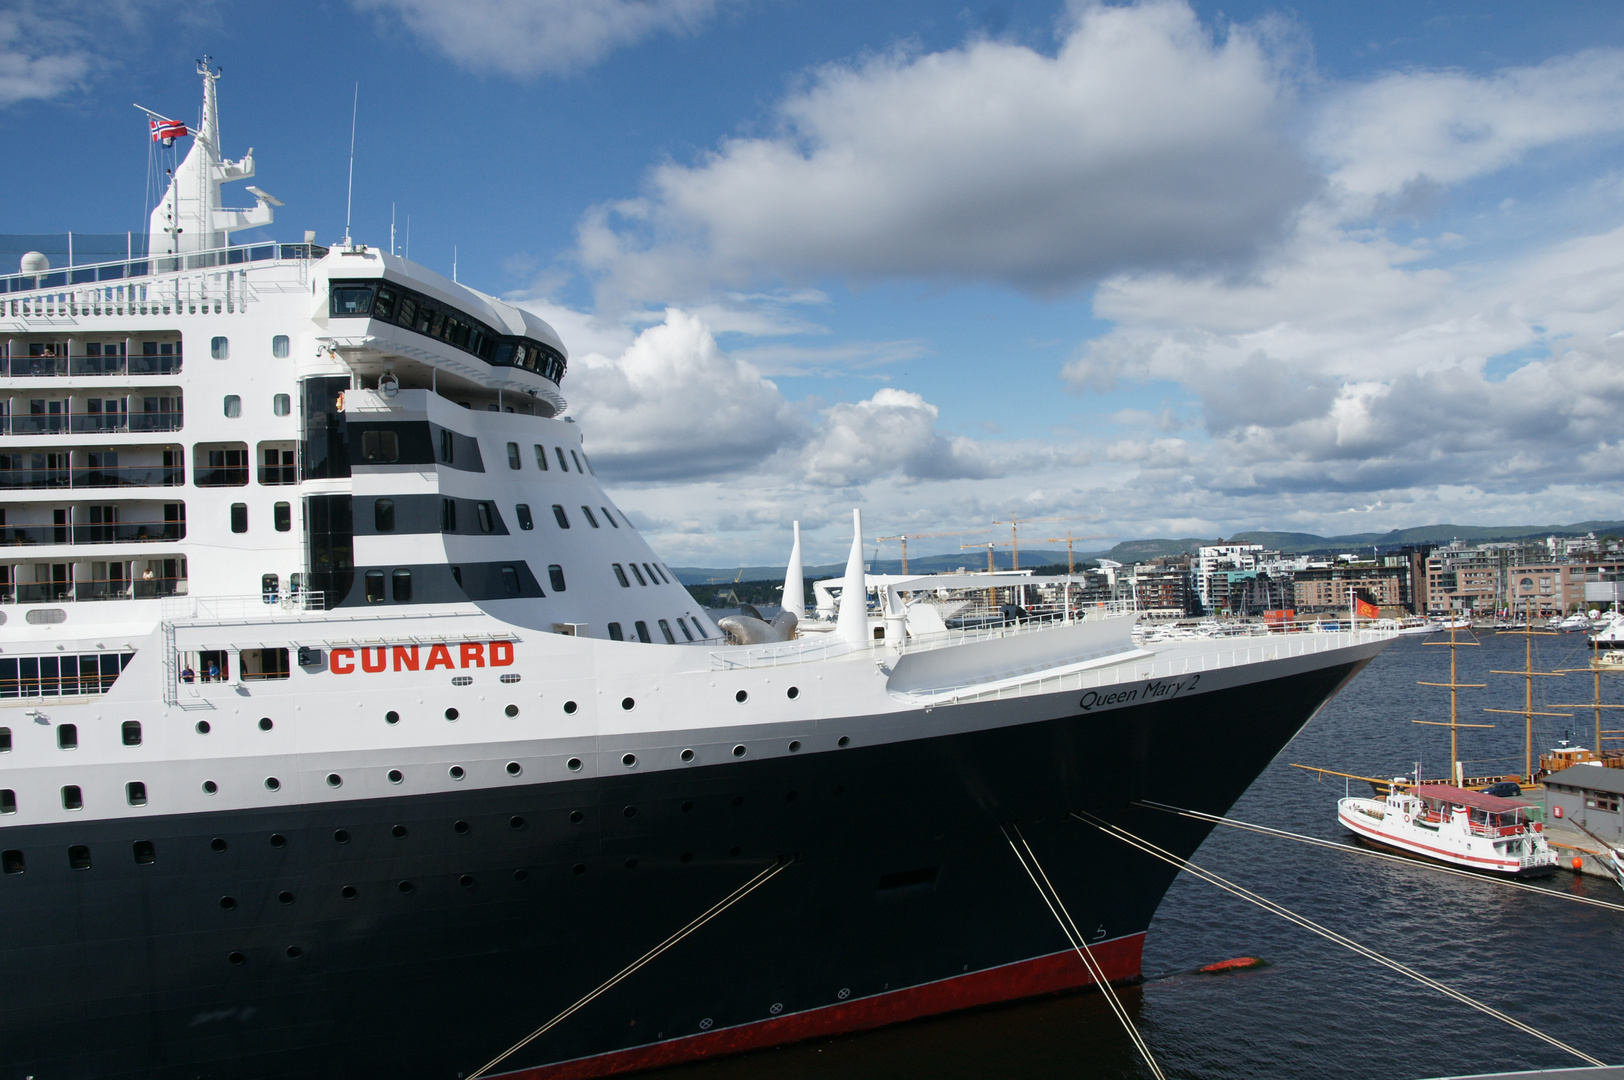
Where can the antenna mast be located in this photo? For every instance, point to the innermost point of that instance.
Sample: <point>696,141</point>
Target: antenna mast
<point>349,197</point>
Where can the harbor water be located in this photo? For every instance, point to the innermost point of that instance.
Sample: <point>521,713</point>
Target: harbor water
<point>1318,1010</point>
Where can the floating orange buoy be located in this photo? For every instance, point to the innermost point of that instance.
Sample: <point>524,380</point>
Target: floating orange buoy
<point>1578,862</point>
<point>1240,963</point>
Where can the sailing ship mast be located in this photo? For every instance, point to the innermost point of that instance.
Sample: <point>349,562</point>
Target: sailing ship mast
<point>1455,686</point>
<point>1595,670</point>
<point>1528,712</point>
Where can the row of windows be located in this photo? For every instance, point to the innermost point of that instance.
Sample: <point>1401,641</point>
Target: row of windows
<point>281,517</point>
<point>220,349</point>
<point>656,574</point>
<point>73,798</point>
<point>397,584</point>
<point>58,676</point>
<point>617,633</point>
<point>515,459</point>
<point>383,517</point>
<point>281,405</point>
<point>12,862</point>
<point>423,315</point>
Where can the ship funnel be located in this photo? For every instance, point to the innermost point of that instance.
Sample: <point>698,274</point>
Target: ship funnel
<point>853,620</point>
<point>795,579</point>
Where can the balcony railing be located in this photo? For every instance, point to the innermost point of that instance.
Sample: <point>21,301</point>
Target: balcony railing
<point>117,532</point>
<point>145,266</point>
<point>111,477</point>
<point>61,592</point>
<point>23,367</point>
<point>224,476</point>
<point>90,423</point>
<point>273,475</point>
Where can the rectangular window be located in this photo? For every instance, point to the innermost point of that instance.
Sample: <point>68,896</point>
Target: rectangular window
<point>562,464</point>
<point>620,576</point>
<point>661,568</point>
<point>67,736</point>
<point>588,461</point>
<point>401,583</point>
<point>556,574</point>
<point>652,580</point>
<point>270,587</point>
<point>541,458</point>
<point>610,518</point>
<point>615,633</point>
<point>233,406</point>
<point>384,306</point>
<point>447,446</point>
<point>638,574</point>
<point>8,801</point>
<point>699,628</point>
<point>526,522</point>
<point>482,511</point>
<point>145,852</point>
<point>513,455</point>
<point>72,797</point>
<point>282,516</point>
<point>382,446</point>
<point>239,517</point>
<point>374,586</point>
<point>130,732</point>
<point>11,860</point>
<point>558,513</point>
<point>281,404</point>
<point>135,793</point>
<point>665,628</point>
<point>448,515</point>
<point>590,520</point>
<point>5,737</point>
<point>279,349</point>
<point>220,348</point>
<point>78,857</point>
<point>510,581</point>
<point>685,631</point>
<point>642,632</point>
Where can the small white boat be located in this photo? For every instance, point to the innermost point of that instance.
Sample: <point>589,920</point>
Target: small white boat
<point>1415,624</point>
<point>1609,632</point>
<point>1455,826</point>
<point>1455,622</point>
<point>1577,621</point>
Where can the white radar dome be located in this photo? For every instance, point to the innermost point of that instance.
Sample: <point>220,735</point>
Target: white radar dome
<point>35,263</point>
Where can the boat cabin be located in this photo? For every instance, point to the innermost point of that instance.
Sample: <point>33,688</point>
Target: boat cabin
<point>1486,815</point>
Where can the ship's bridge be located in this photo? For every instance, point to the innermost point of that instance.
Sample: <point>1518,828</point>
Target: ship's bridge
<point>385,316</point>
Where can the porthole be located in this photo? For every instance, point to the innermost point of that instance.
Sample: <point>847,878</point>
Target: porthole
<point>349,892</point>
<point>459,680</point>
<point>793,692</point>
<point>210,787</point>
<point>236,959</point>
<point>278,840</point>
<point>687,755</point>
<point>460,828</point>
<point>265,723</point>
<point>570,707</point>
<point>396,776</point>
<point>516,822</point>
<point>227,903</point>
<point>399,832</point>
<point>334,780</point>
<point>452,714</point>
<point>455,772</point>
<point>202,727</point>
<point>511,677</point>
<point>272,784</point>
<point>284,897</point>
<point>742,696</point>
<point>573,764</point>
<point>795,746</point>
<point>843,741</point>
<point>630,811</point>
<point>512,710</point>
<point>341,836</point>
<point>514,768</point>
<point>217,844</point>
<point>579,868</point>
<point>466,881</point>
<point>628,760</point>
<point>628,703</point>
<point>406,886</point>
<point>739,751</point>
<point>294,952</point>
<point>520,875</point>
<point>576,817</point>
<point>391,717</point>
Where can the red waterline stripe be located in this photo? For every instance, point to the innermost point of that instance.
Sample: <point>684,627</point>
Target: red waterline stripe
<point>1119,957</point>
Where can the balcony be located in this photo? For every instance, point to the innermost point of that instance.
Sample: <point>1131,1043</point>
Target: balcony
<point>115,532</point>
<point>113,477</point>
<point>274,475</point>
<point>61,592</point>
<point>90,423</point>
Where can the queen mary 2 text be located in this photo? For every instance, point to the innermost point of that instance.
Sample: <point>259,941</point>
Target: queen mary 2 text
<point>463,654</point>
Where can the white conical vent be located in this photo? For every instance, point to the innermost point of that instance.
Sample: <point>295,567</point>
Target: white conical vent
<point>853,621</point>
<point>795,578</point>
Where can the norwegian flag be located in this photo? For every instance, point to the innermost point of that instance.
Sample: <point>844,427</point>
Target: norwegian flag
<point>167,131</point>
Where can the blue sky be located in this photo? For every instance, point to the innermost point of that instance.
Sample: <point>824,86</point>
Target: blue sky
<point>1155,269</point>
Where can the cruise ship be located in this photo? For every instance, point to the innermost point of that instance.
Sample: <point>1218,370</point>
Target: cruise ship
<point>349,729</point>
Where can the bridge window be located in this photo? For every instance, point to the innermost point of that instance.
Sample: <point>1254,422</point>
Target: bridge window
<point>526,522</point>
<point>556,574</point>
<point>279,349</point>
<point>350,301</point>
<point>563,520</point>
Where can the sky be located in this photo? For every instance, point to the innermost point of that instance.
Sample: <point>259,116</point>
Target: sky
<point>1170,268</point>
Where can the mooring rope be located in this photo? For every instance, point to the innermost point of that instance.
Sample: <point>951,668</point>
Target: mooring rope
<point>1330,935</point>
<point>1318,842</point>
<point>1096,971</point>
<point>715,909</point>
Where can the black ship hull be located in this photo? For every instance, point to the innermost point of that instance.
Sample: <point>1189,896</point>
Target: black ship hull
<point>420,937</point>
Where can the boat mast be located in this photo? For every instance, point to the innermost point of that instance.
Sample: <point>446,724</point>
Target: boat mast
<point>1595,670</point>
<point>1455,686</point>
<point>1528,712</point>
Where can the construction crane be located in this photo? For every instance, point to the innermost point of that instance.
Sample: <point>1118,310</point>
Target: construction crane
<point>992,594</point>
<point>1071,563</point>
<point>1015,523</point>
<point>921,536</point>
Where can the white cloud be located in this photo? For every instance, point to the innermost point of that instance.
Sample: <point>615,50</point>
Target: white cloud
<point>531,37</point>
<point>47,50</point>
<point>1144,142</point>
<point>892,433</point>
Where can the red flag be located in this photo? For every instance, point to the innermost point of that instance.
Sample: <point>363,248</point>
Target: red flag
<point>1364,609</point>
<point>167,131</point>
